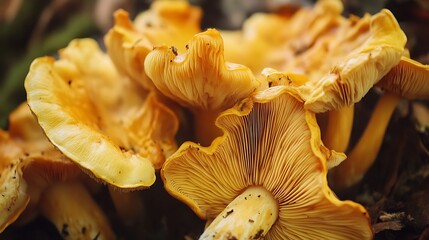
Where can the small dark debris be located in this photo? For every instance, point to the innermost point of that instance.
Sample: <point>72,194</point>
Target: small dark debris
<point>174,50</point>
<point>64,230</point>
<point>228,212</point>
<point>258,235</point>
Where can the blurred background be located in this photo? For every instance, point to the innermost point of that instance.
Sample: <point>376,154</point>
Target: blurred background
<point>29,29</point>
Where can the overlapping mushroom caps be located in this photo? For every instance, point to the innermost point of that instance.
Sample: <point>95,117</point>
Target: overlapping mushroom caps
<point>341,66</point>
<point>362,52</point>
<point>200,79</point>
<point>410,80</point>
<point>166,22</point>
<point>38,179</point>
<point>273,39</point>
<point>98,118</point>
<point>265,177</point>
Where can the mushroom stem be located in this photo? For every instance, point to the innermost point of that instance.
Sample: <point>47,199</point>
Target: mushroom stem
<point>366,150</point>
<point>70,207</point>
<point>339,129</point>
<point>249,216</point>
<point>128,205</point>
<point>205,128</point>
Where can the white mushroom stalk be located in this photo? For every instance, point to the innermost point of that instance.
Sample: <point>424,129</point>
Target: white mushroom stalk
<point>249,216</point>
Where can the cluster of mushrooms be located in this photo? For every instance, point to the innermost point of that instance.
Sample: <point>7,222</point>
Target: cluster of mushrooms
<point>268,110</point>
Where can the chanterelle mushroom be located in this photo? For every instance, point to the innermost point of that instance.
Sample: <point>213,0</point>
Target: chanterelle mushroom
<point>265,177</point>
<point>357,60</point>
<point>13,199</point>
<point>200,79</point>
<point>166,22</point>
<point>342,66</point>
<point>273,39</point>
<point>409,79</point>
<point>41,180</point>
<point>101,120</point>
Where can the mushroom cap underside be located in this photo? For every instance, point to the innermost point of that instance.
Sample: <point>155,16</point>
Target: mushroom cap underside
<point>269,140</point>
<point>79,102</point>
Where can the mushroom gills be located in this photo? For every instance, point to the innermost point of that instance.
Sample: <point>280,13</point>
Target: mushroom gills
<point>249,216</point>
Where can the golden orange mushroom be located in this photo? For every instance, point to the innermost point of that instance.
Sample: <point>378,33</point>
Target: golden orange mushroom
<point>200,79</point>
<point>165,22</point>
<point>100,119</point>
<point>265,177</point>
<point>35,168</point>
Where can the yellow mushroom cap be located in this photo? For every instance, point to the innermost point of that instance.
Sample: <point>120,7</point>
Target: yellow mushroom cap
<point>409,79</point>
<point>26,145</point>
<point>200,78</point>
<point>165,22</point>
<point>13,198</point>
<point>270,141</point>
<point>355,57</point>
<point>23,139</point>
<point>26,132</point>
<point>80,103</point>
<point>272,39</point>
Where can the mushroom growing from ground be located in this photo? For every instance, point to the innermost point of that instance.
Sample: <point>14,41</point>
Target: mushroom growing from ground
<point>79,102</point>
<point>341,67</point>
<point>200,79</point>
<point>410,80</point>
<point>43,181</point>
<point>265,177</point>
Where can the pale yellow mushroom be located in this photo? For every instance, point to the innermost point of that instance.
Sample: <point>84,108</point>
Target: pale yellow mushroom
<point>24,137</point>
<point>265,177</point>
<point>200,79</point>
<point>34,168</point>
<point>100,119</point>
